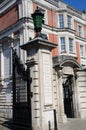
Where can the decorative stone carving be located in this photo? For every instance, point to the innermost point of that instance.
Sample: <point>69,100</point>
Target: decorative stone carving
<point>59,73</point>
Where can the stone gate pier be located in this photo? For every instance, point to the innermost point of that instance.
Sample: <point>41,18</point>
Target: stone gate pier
<point>41,88</point>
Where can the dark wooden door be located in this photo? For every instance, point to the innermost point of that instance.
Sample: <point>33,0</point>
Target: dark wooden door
<point>68,97</point>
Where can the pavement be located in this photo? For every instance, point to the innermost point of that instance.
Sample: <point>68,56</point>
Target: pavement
<point>72,124</point>
<point>4,128</point>
<point>4,125</point>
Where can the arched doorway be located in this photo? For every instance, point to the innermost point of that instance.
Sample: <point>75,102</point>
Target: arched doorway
<point>66,67</point>
<point>68,96</point>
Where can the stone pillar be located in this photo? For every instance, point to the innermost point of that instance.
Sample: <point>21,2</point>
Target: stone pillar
<point>78,111</point>
<point>39,51</point>
<point>62,116</point>
<point>81,93</point>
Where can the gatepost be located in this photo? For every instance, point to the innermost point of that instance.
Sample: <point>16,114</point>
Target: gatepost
<point>42,106</point>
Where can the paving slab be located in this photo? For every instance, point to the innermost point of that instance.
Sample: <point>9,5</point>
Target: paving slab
<point>73,124</point>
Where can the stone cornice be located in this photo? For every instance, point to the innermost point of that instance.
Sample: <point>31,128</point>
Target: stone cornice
<point>80,38</point>
<point>38,42</point>
<point>21,24</point>
<point>71,13</point>
<point>74,10</point>
<point>45,6</point>
<point>66,30</point>
<point>18,25</point>
<point>7,5</point>
<point>52,2</point>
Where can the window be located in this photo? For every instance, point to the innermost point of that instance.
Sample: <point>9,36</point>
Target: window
<point>63,47</point>
<point>61,20</point>
<point>81,50</point>
<point>7,61</point>
<point>70,45</point>
<point>79,30</point>
<point>44,12</point>
<point>69,21</point>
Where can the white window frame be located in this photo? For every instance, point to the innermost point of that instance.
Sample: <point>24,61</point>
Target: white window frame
<point>69,21</point>
<point>61,21</point>
<point>81,50</point>
<point>63,44</point>
<point>45,15</point>
<point>80,30</point>
<point>6,47</point>
<point>71,45</point>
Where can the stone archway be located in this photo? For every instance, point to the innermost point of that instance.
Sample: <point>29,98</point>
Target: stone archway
<point>66,66</point>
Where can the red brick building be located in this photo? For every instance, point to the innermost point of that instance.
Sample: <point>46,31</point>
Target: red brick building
<point>64,26</point>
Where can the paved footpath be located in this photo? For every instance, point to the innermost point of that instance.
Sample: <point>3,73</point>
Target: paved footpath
<point>73,124</point>
<point>4,128</point>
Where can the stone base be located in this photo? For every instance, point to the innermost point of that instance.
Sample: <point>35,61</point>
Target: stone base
<point>62,119</point>
<point>36,127</point>
<point>83,114</point>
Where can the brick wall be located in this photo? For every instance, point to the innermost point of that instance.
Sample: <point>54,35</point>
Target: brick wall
<point>51,18</point>
<point>53,38</point>
<point>85,50</point>
<point>85,31</point>
<point>9,18</point>
<point>75,27</point>
<point>78,52</point>
<point>34,7</point>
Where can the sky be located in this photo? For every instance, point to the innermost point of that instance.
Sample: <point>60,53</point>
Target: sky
<point>78,4</point>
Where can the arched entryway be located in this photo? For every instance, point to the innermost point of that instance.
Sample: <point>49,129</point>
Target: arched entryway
<point>69,87</point>
<point>66,67</point>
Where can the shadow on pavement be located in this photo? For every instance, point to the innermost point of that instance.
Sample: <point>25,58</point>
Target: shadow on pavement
<point>9,125</point>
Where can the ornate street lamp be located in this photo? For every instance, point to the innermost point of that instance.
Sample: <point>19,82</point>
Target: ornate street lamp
<point>38,20</point>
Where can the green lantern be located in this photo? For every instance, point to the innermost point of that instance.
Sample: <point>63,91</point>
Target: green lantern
<point>38,20</point>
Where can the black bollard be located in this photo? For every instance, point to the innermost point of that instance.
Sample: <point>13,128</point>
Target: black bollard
<point>49,124</point>
<point>55,120</point>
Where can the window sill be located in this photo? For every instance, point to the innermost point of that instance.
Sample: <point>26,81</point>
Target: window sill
<point>72,53</point>
<point>82,57</point>
<point>63,52</point>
